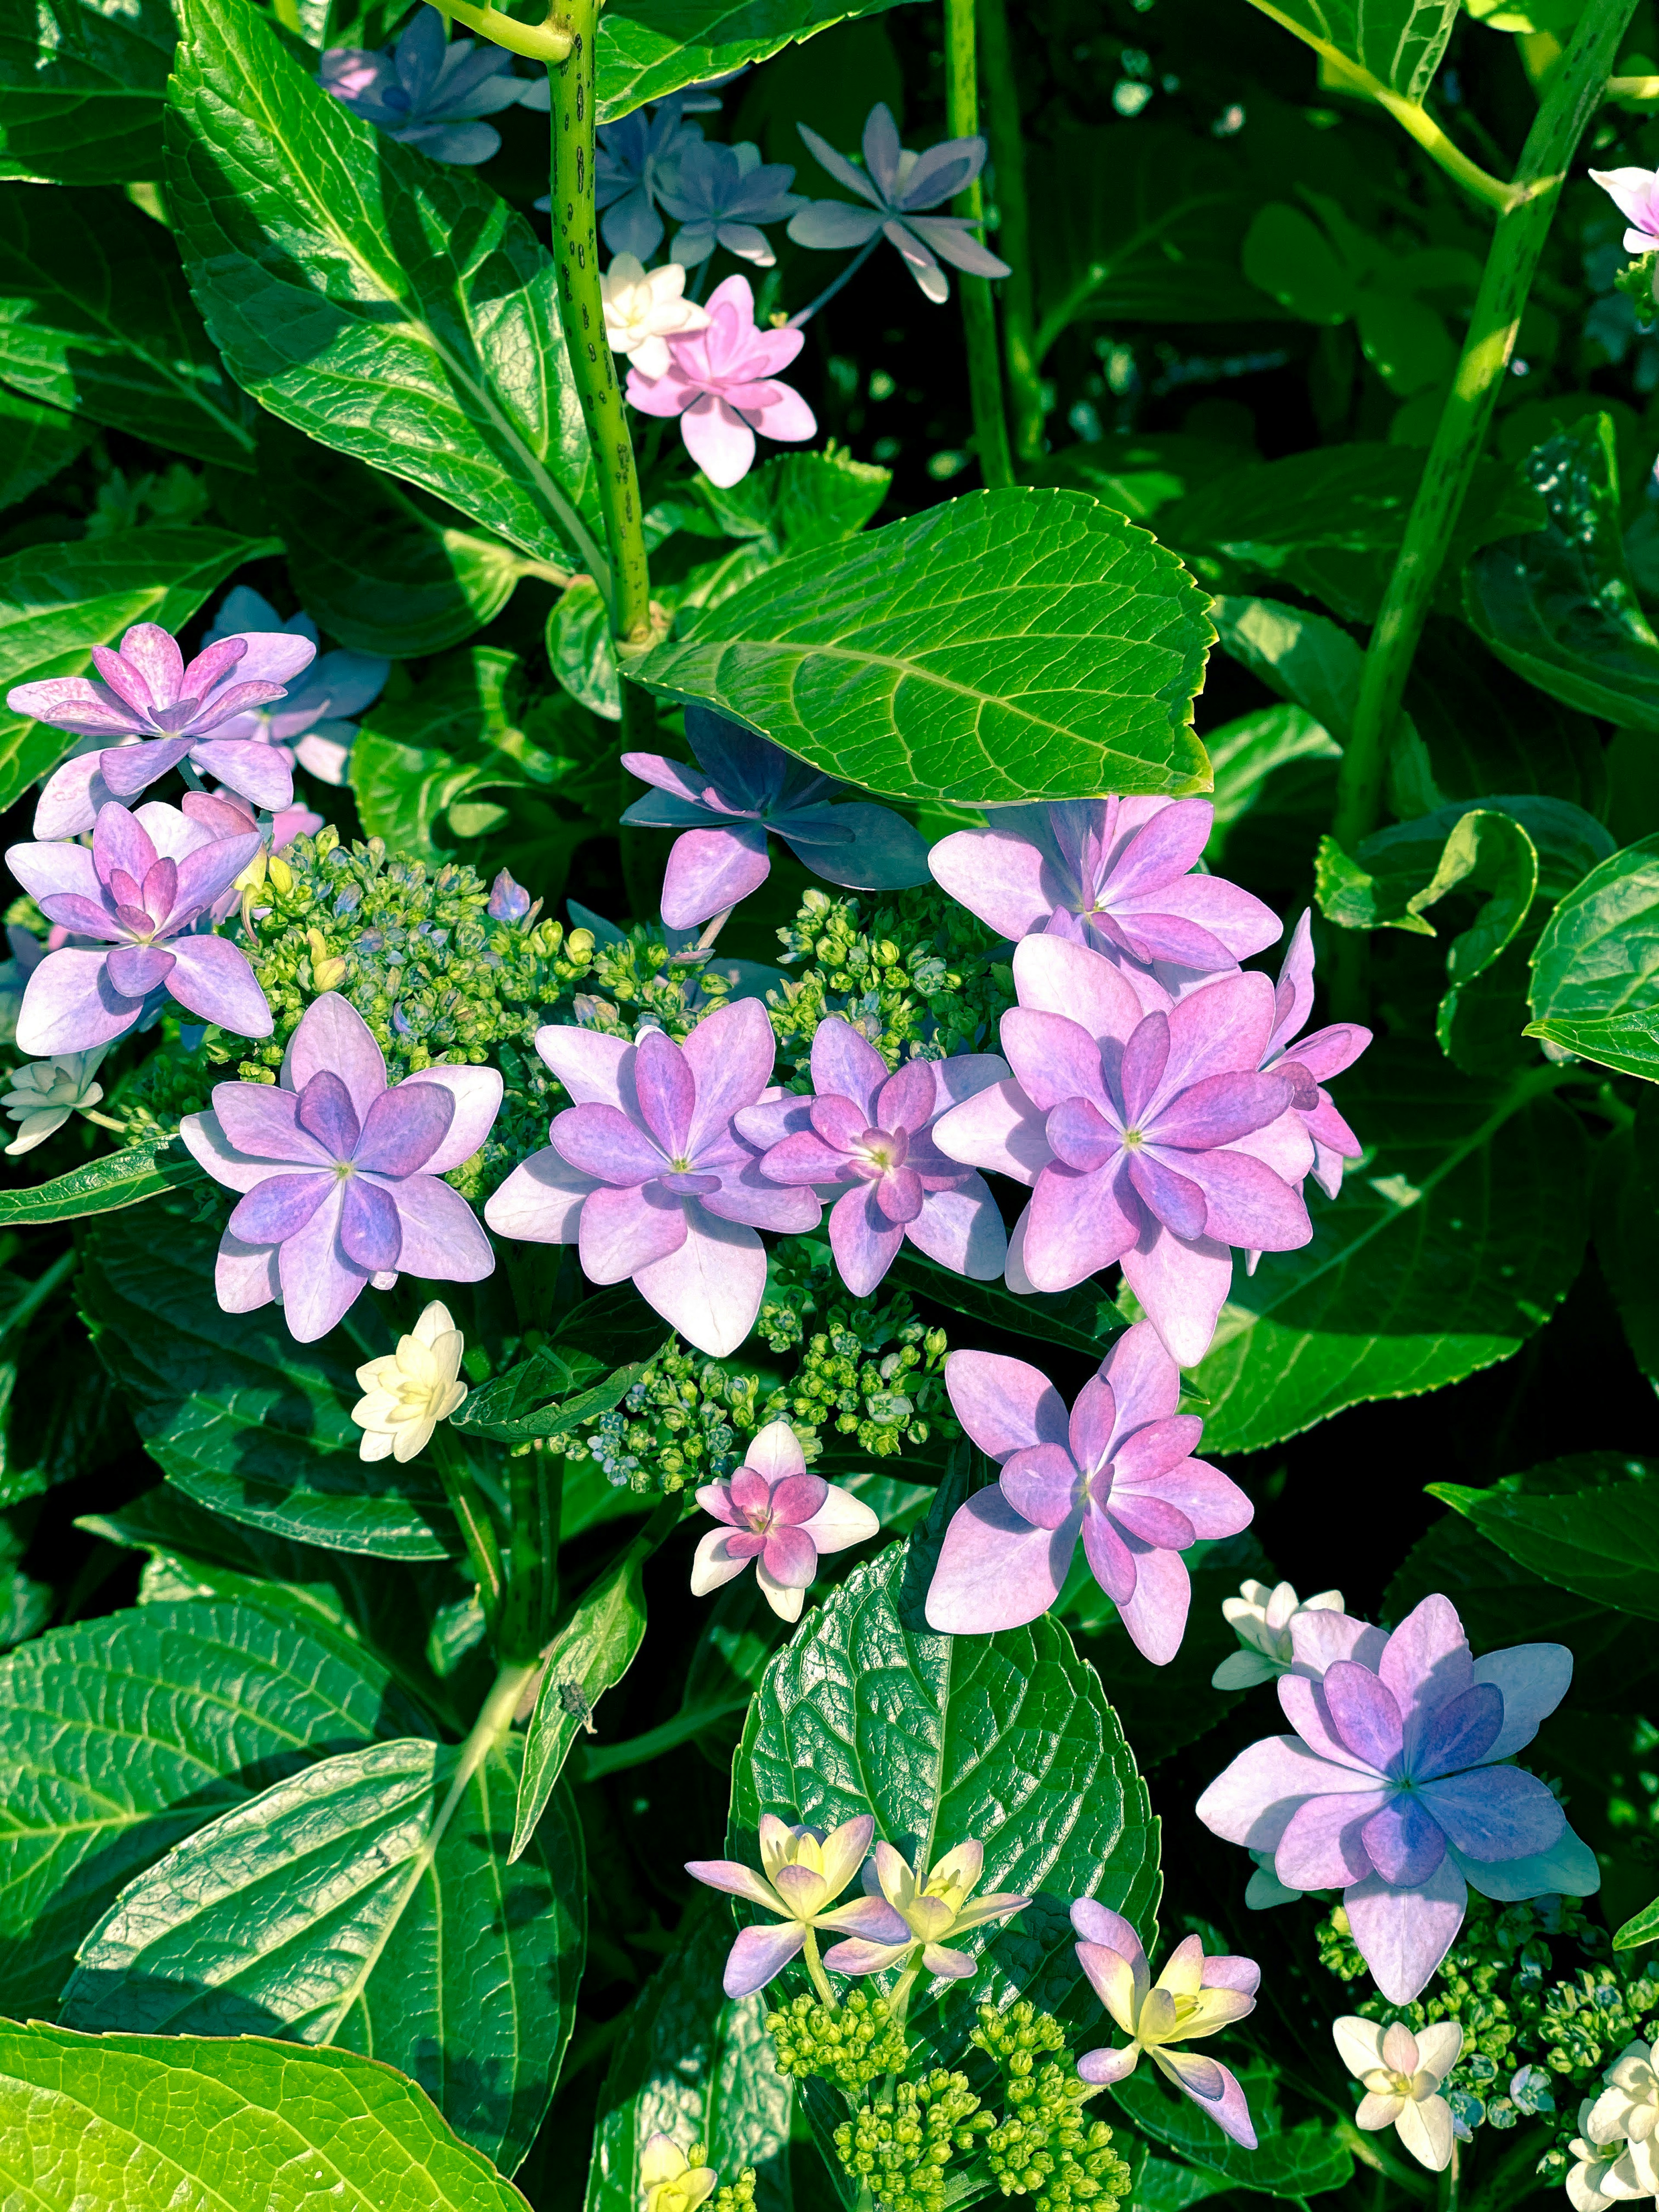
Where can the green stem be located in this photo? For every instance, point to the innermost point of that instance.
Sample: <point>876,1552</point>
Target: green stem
<point>521,1615</point>
<point>815,1968</point>
<point>979,314</point>
<point>581,312</point>
<point>547,42</point>
<point>466,1502</point>
<point>549,1506</point>
<point>1368,2148</point>
<point>1022,356</point>
<point>43,1286</point>
<point>1574,91</point>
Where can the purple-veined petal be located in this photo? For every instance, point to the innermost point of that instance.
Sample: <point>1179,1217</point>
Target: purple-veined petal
<point>1303,1701</point>
<point>1217,1110</point>
<point>999,1128</point>
<point>55,871</point>
<point>803,1158</point>
<point>325,1111</point>
<point>207,1143</point>
<point>121,840</point>
<point>70,1005</point>
<point>1404,1933</point>
<point>1568,1868</point>
<point>1168,1194</point>
<point>279,1206</point>
<point>837,166</point>
<point>666,1091</point>
<point>403,1129</point>
<point>1425,1663</point>
<point>1078,1223</point>
<point>962,1230</point>
<point>1402,1841</point>
<point>1003,1404</point>
<point>371,1234</point>
<point>717,1562</point>
<point>259,772</point>
<point>1533,1678</point>
<point>865,1242</point>
<point>1230,918</point>
<point>710,1288</point>
<point>1155,1613</point>
<point>595,1069</point>
<point>319,1283</point>
<point>1145,1459</point>
<point>1495,1812</point>
<point>995,1571</point>
<point>759,1954</point>
<point>846,1065</point>
<point>1112,1561</point>
<point>441,1238</point>
<point>1246,1204</point>
<point>135,971</point>
<point>748,1197</point>
<point>1152,1519</point>
<point>244,1276</point>
<point>790,1556</point>
<point>1320,1637</point>
<point>1461,1733</point>
<point>1102,2067</point>
<point>608,1144</point>
<point>1053,1057</point>
<point>1322,1846</point>
<point>72,796</point>
<point>129,769</point>
<point>841,1521</point>
<point>627,1228</point>
<point>333,1035</point>
<point>1226,2105</point>
<point>1253,1801</point>
<point>1222,1030</point>
<point>730,1055</point>
<point>1004,878</point>
<point>710,870</point>
<point>1041,1483</point>
<point>1182,1283</point>
<point>882,851</point>
<point>1364,1712</point>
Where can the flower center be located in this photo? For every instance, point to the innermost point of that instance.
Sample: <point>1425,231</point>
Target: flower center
<point>760,1520</point>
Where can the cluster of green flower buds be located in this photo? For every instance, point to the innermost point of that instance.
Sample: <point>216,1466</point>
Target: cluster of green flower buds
<point>1046,2148</point>
<point>899,2144</point>
<point>849,2044</point>
<point>685,1421</point>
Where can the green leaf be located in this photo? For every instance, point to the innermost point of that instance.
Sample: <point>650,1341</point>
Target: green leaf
<point>415,756</point>
<point>1085,1319</point>
<point>95,317</point>
<point>1596,972</point>
<point>516,1406</point>
<point>321,1912</point>
<point>245,1420</point>
<point>1006,1738</point>
<point>692,2064</point>
<point>1305,658</point>
<point>1626,1213</point>
<point>1163,2186</point>
<point>103,1186</point>
<point>1642,1928</point>
<point>1137,475</point>
<point>1399,42</point>
<point>1288,256</point>
<point>123,1736</point>
<point>1484,729</point>
<point>580,649</point>
<point>1292,2162</point>
<point>1451,1245</point>
<point>383,304</point>
<point>82,84</point>
<point>36,443</point>
<point>794,503</point>
<point>1589,1523</point>
<point>1386,886</point>
<point>1558,606</point>
<point>1273,761</point>
<point>1010,645</point>
<point>648,48</point>
<point>57,602</point>
<point>132,2122</point>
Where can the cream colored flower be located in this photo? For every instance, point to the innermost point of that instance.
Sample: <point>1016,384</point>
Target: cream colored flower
<point>1618,2149</point>
<point>1260,1619</point>
<point>409,1391</point>
<point>44,1093</point>
<point>672,2182</point>
<point>644,308</point>
<point>1402,2074</point>
<point>1590,2185</point>
<point>933,1911</point>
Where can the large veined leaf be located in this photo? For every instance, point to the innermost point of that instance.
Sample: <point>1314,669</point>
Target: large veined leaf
<point>81,85</point>
<point>57,602</point>
<point>122,1737</point>
<point>1012,644</point>
<point>1006,1738</point>
<point>321,1912</point>
<point>1595,971</point>
<point>244,1420</point>
<point>1289,2162</point>
<point>392,307</point>
<point>105,1185</point>
<point>133,2123</point>
<point>648,48</point>
<point>95,316</point>
<point>1450,1245</point>
<point>1591,1523</point>
<point>1399,42</point>
<point>35,444</point>
<point>696,2067</point>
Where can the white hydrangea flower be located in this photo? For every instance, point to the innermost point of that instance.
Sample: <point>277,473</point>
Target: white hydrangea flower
<point>44,1093</point>
<point>1402,2074</point>
<point>1616,2149</point>
<point>406,1393</point>
<point>1588,2189</point>
<point>644,308</point>
<point>1260,1619</point>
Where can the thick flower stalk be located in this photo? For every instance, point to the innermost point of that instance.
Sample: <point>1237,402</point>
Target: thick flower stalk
<point>871,1131</point>
<point>1118,1472</point>
<point>721,383</point>
<point>311,725</point>
<point>1193,1996</point>
<point>649,1177</point>
<point>804,1872</point>
<point>643,309</point>
<point>341,1174</point>
<point>1402,2074</point>
<point>776,1515</point>
<point>1264,1621</point>
<point>406,1393</point>
<point>742,789</point>
<point>936,1904</point>
<point>428,90</point>
<point>143,893</point>
<point>1150,1139</point>
<point>1392,1789</point>
<point>896,186</point>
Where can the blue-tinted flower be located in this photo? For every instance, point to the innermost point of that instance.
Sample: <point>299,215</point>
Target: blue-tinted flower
<point>720,194</point>
<point>896,182</point>
<point>308,724</point>
<point>428,90</point>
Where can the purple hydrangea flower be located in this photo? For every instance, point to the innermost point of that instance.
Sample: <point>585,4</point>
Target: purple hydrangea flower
<point>1114,874</point>
<point>1152,1138</point>
<point>871,1130</point>
<point>149,694</point>
<point>1391,1789</point>
<point>721,195</point>
<point>648,1175</point>
<point>312,726</point>
<point>636,163</point>
<point>508,901</point>
<point>747,786</point>
<point>897,184</point>
<point>145,892</point>
<point>779,1517</point>
<point>805,1871</point>
<point>1311,1063</point>
<point>1118,1472</point>
<point>341,1173</point>
<point>428,89</point>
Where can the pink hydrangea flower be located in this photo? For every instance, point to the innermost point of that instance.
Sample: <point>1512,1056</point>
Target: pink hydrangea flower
<point>1635,193</point>
<point>776,1514</point>
<point>1311,1062</point>
<point>1118,1472</point>
<point>722,384</point>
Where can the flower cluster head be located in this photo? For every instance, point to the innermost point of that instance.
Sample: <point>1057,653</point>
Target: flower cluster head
<point>1635,193</point>
<point>1392,1788</point>
<point>341,1175</point>
<point>773,1512</point>
<point>721,382</point>
<point>743,787</point>
<point>428,90</point>
<point>720,195</point>
<point>896,186</point>
<point>311,725</point>
<point>1118,1472</point>
<point>871,1132</point>
<point>1402,2074</point>
<point>643,309</point>
<point>936,1905</point>
<point>406,1393</point>
<point>41,1096</point>
<point>1193,1996</point>
<point>1617,2148</point>
<point>804,1872</point>
<point>1263,1619</point>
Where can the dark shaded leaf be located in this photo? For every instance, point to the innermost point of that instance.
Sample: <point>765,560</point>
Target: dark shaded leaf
<point>81,86</point>
<point>1589,1523</point>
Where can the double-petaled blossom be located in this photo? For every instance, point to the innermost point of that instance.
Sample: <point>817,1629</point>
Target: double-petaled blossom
<point>1402,2074</point>
<point>312,723</point>
<point>143,893</point>
<point>1263,1620</point>
<point>742,788</point>
<point>1392,1789</point>
<point>936,1907</point>
<point>341,1173</point>
<point>1193,1996</point>
<point>671,2181</point>
<point>635,162</point>
<point>1635,193</point>
<point>1118,1472</point>
<point>721,382</point>
<point>773,1512</point>
<point>648,1175</point>
<point>870,1130</point>
<point>1617,2148</point>
<point>406,1393</point>
<point>1150,1139</point>
<point>643,309</point>
<point>429,90</point>
<point>896,186</point>
<point>804,1872</point>
<point>1114,874</point>
<point>1310,1062</point>
<point>40,1096</point>
<point>720,195</point>
<point>172,709</point>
